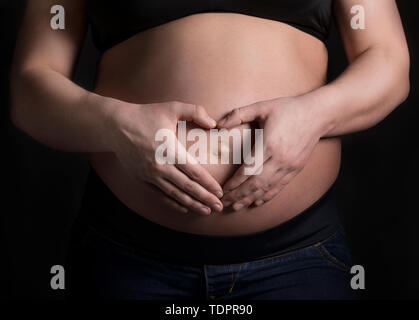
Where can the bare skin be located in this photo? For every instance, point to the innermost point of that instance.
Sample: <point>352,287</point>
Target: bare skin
<point>273,73</point>
<point>241,71</point>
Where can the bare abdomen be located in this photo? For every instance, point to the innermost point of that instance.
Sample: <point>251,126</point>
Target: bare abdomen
<point>220,61</point>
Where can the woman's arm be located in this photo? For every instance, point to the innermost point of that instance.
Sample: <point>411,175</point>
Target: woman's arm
<point>377,78</point>
<point>375,82</point>
<point>47,105</point>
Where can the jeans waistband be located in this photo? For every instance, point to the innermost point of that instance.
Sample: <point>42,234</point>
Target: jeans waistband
<point>104,212</point>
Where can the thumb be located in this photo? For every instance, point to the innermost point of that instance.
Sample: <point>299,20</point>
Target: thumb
<point>195,113</point>
<point>240,115</point>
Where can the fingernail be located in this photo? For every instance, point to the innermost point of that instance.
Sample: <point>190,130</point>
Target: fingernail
<point>212,122</point>
<point>205,210</point>
<point>218,193</point>
<point>238,206</point>
<point>217,206</point>
<point>259,202</point>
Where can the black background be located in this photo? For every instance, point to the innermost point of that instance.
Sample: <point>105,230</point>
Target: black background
<point>377,186</point>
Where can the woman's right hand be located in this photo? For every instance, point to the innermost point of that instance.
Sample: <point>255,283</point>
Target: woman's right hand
<point>187,187</point>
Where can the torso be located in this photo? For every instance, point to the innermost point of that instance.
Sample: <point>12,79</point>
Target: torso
<point>220,61</point>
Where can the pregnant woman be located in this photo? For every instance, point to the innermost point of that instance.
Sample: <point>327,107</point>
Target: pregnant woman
<point>208,231</point>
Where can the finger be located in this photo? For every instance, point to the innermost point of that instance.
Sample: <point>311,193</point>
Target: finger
<point>181,197</point>
<point>197,172</point>
<point>187,163</point>
<point>264,195</point>
<point>281,184</point>
<point>195,113</point>
<point>267,197</point>
<point>260,158</point>
<point>241,185</point>
<point>249,200</point>
<point>239,177</point>
<point>259,194</point>
<point>255,187</point>
<point>241,115</point>
<point>193,189</point>
<point>236,180</point>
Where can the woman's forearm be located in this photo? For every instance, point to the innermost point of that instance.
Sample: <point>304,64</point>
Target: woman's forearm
<point>372,86</point>
<point>63,116</point>
<point>58,113</point>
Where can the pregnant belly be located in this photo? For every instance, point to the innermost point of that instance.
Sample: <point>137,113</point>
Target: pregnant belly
<point>208,60</point>
<point>220,152</point>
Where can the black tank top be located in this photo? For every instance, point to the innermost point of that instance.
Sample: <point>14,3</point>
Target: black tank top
<point>115,21</point>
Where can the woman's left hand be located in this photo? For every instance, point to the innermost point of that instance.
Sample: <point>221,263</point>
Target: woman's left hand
<point>290,133</point>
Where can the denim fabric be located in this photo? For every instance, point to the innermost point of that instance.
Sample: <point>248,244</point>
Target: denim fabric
<point>101,268</point>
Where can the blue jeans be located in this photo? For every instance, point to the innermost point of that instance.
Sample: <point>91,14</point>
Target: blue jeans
<point>101,268</point>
